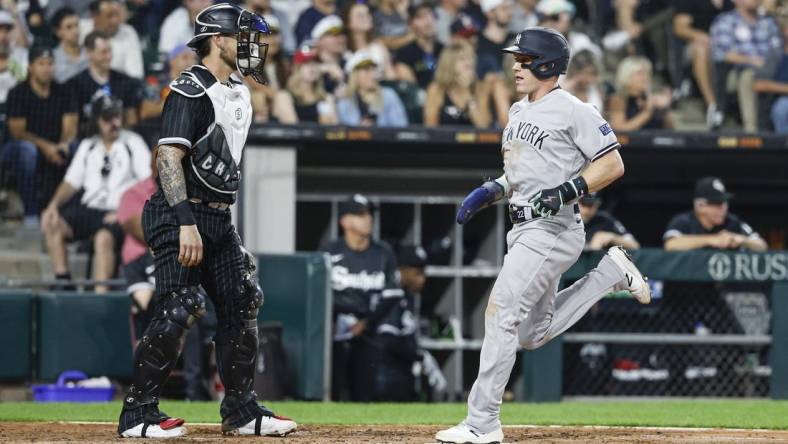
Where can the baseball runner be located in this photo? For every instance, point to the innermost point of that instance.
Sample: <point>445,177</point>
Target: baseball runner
<point>187,225</point>
<point>555,149</point>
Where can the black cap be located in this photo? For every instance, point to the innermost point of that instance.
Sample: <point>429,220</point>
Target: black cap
<point>106,107</point>
<point>355,204</point>
<point>590,199</point>
<point>411,256</point>
<point>38,51</point>
<point>712,190</point>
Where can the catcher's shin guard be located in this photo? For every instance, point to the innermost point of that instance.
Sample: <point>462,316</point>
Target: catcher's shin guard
<point>236,354</point>
<point>158,351</point>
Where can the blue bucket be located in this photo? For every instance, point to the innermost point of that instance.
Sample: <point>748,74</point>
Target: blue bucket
<point>59,392</point>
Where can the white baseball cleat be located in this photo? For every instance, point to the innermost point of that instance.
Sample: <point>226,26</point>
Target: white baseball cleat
<point>265,426</point>
<point>462,434</point>
<point>637,284</point>
<point>169,428</point>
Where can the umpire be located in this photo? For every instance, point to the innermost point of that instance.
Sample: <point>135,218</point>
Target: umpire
<point>187,225</point>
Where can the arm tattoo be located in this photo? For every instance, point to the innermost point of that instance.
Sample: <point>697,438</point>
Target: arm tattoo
<point>173,182</point>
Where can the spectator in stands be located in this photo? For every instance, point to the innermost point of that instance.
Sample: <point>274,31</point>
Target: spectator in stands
<point>464,30</point>
<point>583,79</point>
<point>691,23</point>
<point>104,167</point>
<point>70,56</point>
<point>603,230</point>
<point>330,44</point>
<point>22,37</point>
<point>15,54</point>
<point>391,23</point>
<point>311,16</point>
<point>108,16</point>
<point>360,35</point>
<point>366,102</point>
<point>366,289</point>
<point>709,224</point>
<point>524,15</point>
<point>157,88</point>
<point>772,79</point>
<point>137,262</point>
<point>456,97</point>
<point>416,61</point>
<point>445,13</point>
<point>11,72</point>
<point>285,29</point>
<point>493,38</point>
<point>277,69</point>
<point>645,23</point>
<point>305,99</point>
<point>635,106</point>
<point>99,79</point>
<point>178,27</point>
<point>740,42</point>
<point>81,7</point>
<point>42,118</point>
<point>558,15</point>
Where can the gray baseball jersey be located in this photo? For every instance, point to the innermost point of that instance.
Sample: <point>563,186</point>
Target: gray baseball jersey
<point>550,141</point>
<point>546,143</point>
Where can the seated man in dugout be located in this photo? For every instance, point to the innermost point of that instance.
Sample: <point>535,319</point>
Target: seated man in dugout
<point>709,224</point>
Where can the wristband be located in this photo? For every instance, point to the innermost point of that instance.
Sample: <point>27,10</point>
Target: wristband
<point>183,213</point>
<point>575,188</point>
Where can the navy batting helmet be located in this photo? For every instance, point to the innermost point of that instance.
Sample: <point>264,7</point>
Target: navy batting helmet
<point>548,48</point>
<point>248,27</point>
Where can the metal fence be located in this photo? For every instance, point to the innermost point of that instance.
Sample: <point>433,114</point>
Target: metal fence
<point>694,339</point>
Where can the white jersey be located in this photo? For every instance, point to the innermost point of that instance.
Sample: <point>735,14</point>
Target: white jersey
<point>550,141</point>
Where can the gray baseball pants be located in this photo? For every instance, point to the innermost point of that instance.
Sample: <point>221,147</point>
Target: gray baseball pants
<point>525,300</point>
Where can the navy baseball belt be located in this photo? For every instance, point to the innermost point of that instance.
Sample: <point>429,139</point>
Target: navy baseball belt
<point>214,205</point>
<point>518,215</point>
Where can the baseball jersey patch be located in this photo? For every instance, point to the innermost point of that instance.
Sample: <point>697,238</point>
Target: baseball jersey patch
<point>605,129</point>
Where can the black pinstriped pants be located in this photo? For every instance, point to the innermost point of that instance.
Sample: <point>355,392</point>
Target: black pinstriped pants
<point>221,267</point>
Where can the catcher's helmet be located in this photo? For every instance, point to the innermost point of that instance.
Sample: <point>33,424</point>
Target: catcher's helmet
<point>548,47</point>
<point>248,27</point>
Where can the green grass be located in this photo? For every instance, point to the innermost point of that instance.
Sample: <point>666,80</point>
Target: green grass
<point>685,413</point>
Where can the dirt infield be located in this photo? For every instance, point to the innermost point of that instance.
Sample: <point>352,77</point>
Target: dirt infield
<point>16,432</point>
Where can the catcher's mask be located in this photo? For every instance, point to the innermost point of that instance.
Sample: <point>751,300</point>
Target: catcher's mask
<point>246,27</point>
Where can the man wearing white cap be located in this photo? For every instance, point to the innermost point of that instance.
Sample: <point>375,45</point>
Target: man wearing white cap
<point>494,37</point>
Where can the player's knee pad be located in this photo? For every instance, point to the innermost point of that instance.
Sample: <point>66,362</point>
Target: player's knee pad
<point>159,347</point>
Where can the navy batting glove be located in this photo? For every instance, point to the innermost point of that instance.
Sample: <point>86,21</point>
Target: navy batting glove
<point>549,201</point>
<point>479,198</point>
